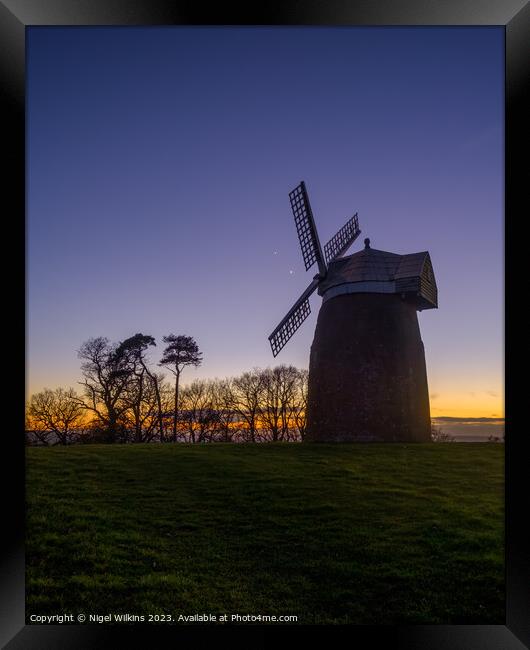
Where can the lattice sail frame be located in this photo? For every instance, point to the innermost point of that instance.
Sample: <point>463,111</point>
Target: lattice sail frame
<point>293,319</point>
<point>306,229</point>
<point>311,252</point>
<point>288,327</point>
<point>343,239</point>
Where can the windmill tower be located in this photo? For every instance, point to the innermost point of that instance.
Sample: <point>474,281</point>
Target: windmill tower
<point>367,373</point>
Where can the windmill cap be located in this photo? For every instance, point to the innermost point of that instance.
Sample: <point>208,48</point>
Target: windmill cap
<point>372,265</point>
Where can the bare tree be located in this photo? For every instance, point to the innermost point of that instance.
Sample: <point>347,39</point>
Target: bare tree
<point>105,376</point>
<point>277,397</point>
<point>167,397</point>
<point>57,411</point>
<point>246,396</point>
<point>181,351</point>
<point>287,378</point>
<point>223,404</point>
<point>35,430</point>
<point>299,403</point>
<point>197,410</point>
<point>270,403</point>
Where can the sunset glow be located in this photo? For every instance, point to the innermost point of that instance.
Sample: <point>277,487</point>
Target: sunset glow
<point>159,166</point>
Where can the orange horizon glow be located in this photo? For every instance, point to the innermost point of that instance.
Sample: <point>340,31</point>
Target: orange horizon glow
<point>456,404</point>
<point>474,405</point>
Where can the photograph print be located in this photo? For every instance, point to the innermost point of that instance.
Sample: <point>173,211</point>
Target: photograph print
<point>265,325</point>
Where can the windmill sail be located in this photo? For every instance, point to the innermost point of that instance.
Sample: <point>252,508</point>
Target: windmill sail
<point>306,229</point>
<point>292,321</point>
<point>340,242</point>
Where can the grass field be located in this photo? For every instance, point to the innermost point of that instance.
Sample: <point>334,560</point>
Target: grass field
<point>358,533</point>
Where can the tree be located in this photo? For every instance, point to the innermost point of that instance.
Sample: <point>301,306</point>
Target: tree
<point>246,399</point>
<point>279,388</point>
<point>299,402</point>
<point>181,351</point>
<point>167,396</point>
<point>287,378</point>
<point>197,410</point>
<point>57,411</point>
<point>106,374</point>
<point>270,403</point>
<point>133,351</point>
<point>223,404</point>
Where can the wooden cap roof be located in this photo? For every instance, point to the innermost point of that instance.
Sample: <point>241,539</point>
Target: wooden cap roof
<point>372,265</point>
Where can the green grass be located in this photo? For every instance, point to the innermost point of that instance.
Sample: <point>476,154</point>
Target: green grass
<point>357,533</point>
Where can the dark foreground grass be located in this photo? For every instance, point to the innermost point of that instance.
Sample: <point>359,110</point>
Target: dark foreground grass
<point>358,533</point>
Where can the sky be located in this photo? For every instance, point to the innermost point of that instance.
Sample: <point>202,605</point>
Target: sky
<point>159,162</point>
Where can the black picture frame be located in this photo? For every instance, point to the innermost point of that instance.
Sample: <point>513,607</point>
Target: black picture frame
<point>514,15</point>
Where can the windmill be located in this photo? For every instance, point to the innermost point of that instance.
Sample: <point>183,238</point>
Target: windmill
<point>367,372</point>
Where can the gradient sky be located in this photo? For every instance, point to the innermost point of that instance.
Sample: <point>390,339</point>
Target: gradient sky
<point>159,166</point>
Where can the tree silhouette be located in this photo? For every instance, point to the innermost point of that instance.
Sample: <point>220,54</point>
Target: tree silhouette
<point>105,377</point>
<point>197,410</point>
<point>247,393</point>
<point>133,349</point>
<point>279,387</point>
<point>180,352</point>
<point>57,411</point>
<point>298,406</point>
<point>223,403</point>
